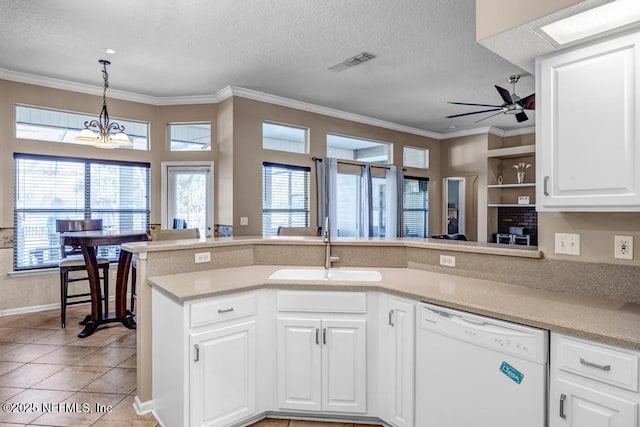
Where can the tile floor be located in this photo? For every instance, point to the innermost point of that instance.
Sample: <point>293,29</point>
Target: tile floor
<point>50,377</point>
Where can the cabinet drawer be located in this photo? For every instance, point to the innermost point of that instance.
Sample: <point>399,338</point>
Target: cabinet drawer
<point>599,363</point>
<point>221,309</point>
<point>322,301</point>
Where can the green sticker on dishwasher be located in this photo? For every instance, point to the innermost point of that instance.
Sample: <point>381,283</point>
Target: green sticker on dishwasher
<point>511,372</point>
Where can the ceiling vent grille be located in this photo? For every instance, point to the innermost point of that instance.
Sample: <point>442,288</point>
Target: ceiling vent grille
<point>352,62</point>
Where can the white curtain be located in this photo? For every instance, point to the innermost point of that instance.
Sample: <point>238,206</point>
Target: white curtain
<point>366,203</point>
<point>327,177</point>
<point>393,202</point>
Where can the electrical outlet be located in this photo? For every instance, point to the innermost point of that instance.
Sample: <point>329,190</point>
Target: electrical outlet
<point>567,244</point>
<point>448,260</point>
<point>203,257</point>
<point>623,247</point>
<point>244,220</point>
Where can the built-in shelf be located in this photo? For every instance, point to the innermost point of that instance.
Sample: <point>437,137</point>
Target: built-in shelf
<point>523,185</point>
<point>511,152</point>
<point>510,205</point>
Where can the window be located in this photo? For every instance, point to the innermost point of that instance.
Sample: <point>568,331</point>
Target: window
<point>285,138</point>
<point>49,188</point>
<point>61,126</point>
<point>285,197</point>
<point>348,196</point>
<point>415,211</point>
<point>189,136</point>
<point>363,150</point>
<point>413,157</point>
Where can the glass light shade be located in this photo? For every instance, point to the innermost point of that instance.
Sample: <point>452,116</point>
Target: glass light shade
<point>87,135</point>
<point>105,144</point>
<point>121,139</point>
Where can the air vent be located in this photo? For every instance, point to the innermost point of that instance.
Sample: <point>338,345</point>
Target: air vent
<point>353,61</point>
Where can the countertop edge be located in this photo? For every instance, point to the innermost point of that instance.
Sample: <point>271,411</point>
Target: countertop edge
<point>569,316</point>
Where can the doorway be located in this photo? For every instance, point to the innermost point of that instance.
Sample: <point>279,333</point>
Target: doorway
<point>187,196</point>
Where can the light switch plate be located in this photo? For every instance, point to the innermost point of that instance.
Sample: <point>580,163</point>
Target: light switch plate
<point>567,244</point>
<point>244,220</point>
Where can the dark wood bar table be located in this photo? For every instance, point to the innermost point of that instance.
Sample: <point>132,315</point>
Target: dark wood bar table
<point>89,241</point>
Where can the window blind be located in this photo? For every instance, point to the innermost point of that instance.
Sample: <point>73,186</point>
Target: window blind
<point>285,197</point>
<point>415,210</point>
<point>49,188</point>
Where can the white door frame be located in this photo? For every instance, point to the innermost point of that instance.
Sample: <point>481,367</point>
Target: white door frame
<point>164,184</point>
<point>461,211</point>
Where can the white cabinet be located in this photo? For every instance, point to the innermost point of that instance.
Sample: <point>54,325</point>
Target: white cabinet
<point>322,357</point>
<point>204,359</point>
<point>222,375</point>
<point>592,384</point>
<point>587,129</point>
<point>397,360</point>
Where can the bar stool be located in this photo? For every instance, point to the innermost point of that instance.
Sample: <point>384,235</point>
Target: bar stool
<point>71,259</point>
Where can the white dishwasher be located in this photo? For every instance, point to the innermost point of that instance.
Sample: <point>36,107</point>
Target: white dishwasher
<point>475,371</point>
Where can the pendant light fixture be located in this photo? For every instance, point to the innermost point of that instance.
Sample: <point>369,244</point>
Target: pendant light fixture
<point>99,132</point>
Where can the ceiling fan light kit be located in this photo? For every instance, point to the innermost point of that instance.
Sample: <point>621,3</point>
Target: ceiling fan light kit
<point>513,105</point>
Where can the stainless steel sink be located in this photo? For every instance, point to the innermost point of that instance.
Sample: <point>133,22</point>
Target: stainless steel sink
<point>330,275</point>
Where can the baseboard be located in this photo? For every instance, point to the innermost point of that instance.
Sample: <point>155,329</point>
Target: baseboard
<point>142,408</point>
<point>38,308</point>
<point>30,309</point>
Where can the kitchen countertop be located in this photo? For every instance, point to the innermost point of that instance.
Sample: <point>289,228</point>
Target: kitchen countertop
<point>436,244</point>
<point>598,319</point>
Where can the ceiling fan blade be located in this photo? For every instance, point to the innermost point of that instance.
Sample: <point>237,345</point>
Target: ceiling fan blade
<point>528,102</point>
<point>475,112</point>
<point>522,117</point>
<point>488,117</point>
<point>504,94</point>
<point>476,105</point>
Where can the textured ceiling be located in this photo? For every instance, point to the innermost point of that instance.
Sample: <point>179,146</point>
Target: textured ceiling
<point>426,52</point>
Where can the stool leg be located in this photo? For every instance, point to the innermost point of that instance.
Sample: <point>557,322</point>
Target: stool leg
<point>134,273</point>
<point>63,297</point>
<point>105,275</point>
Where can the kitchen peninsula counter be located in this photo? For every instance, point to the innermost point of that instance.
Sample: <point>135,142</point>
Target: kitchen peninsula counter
<point>592,318</point>
<point>595,301</point>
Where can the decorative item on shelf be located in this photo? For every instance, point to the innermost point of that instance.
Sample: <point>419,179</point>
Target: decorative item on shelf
<point>103,137</point>
<point>524,200</point>
<point>500,180</point>
<point>520,170</point>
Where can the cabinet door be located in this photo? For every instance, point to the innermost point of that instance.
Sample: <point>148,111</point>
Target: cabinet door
<point>587,133</point>
<point>222,375</point>
<point>299,367</point>
<point>573,405</point>
<point>397,332</point>
<point>344,365</point>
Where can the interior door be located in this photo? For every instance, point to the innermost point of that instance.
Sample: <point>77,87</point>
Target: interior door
<point>189,196</point>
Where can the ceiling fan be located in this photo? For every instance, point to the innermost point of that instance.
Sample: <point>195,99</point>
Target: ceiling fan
<point>513,104</point>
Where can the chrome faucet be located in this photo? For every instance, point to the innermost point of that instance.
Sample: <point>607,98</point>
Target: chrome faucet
<point>328,259</point>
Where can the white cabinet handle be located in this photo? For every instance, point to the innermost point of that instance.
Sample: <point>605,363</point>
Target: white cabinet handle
<point>317,336</point>
<point>226,310</point>
<point>563,397</point>
<point>595,365</point>
<point>324,336</point>
<point>545,190</point>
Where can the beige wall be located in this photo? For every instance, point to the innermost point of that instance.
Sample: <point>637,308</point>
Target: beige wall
<point>248,116</point>
<point>496,16</point>
<point>467,157</point>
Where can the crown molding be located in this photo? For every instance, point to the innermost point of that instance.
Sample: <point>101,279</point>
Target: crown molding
<point>326,111</point>
<point>230,91</point>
